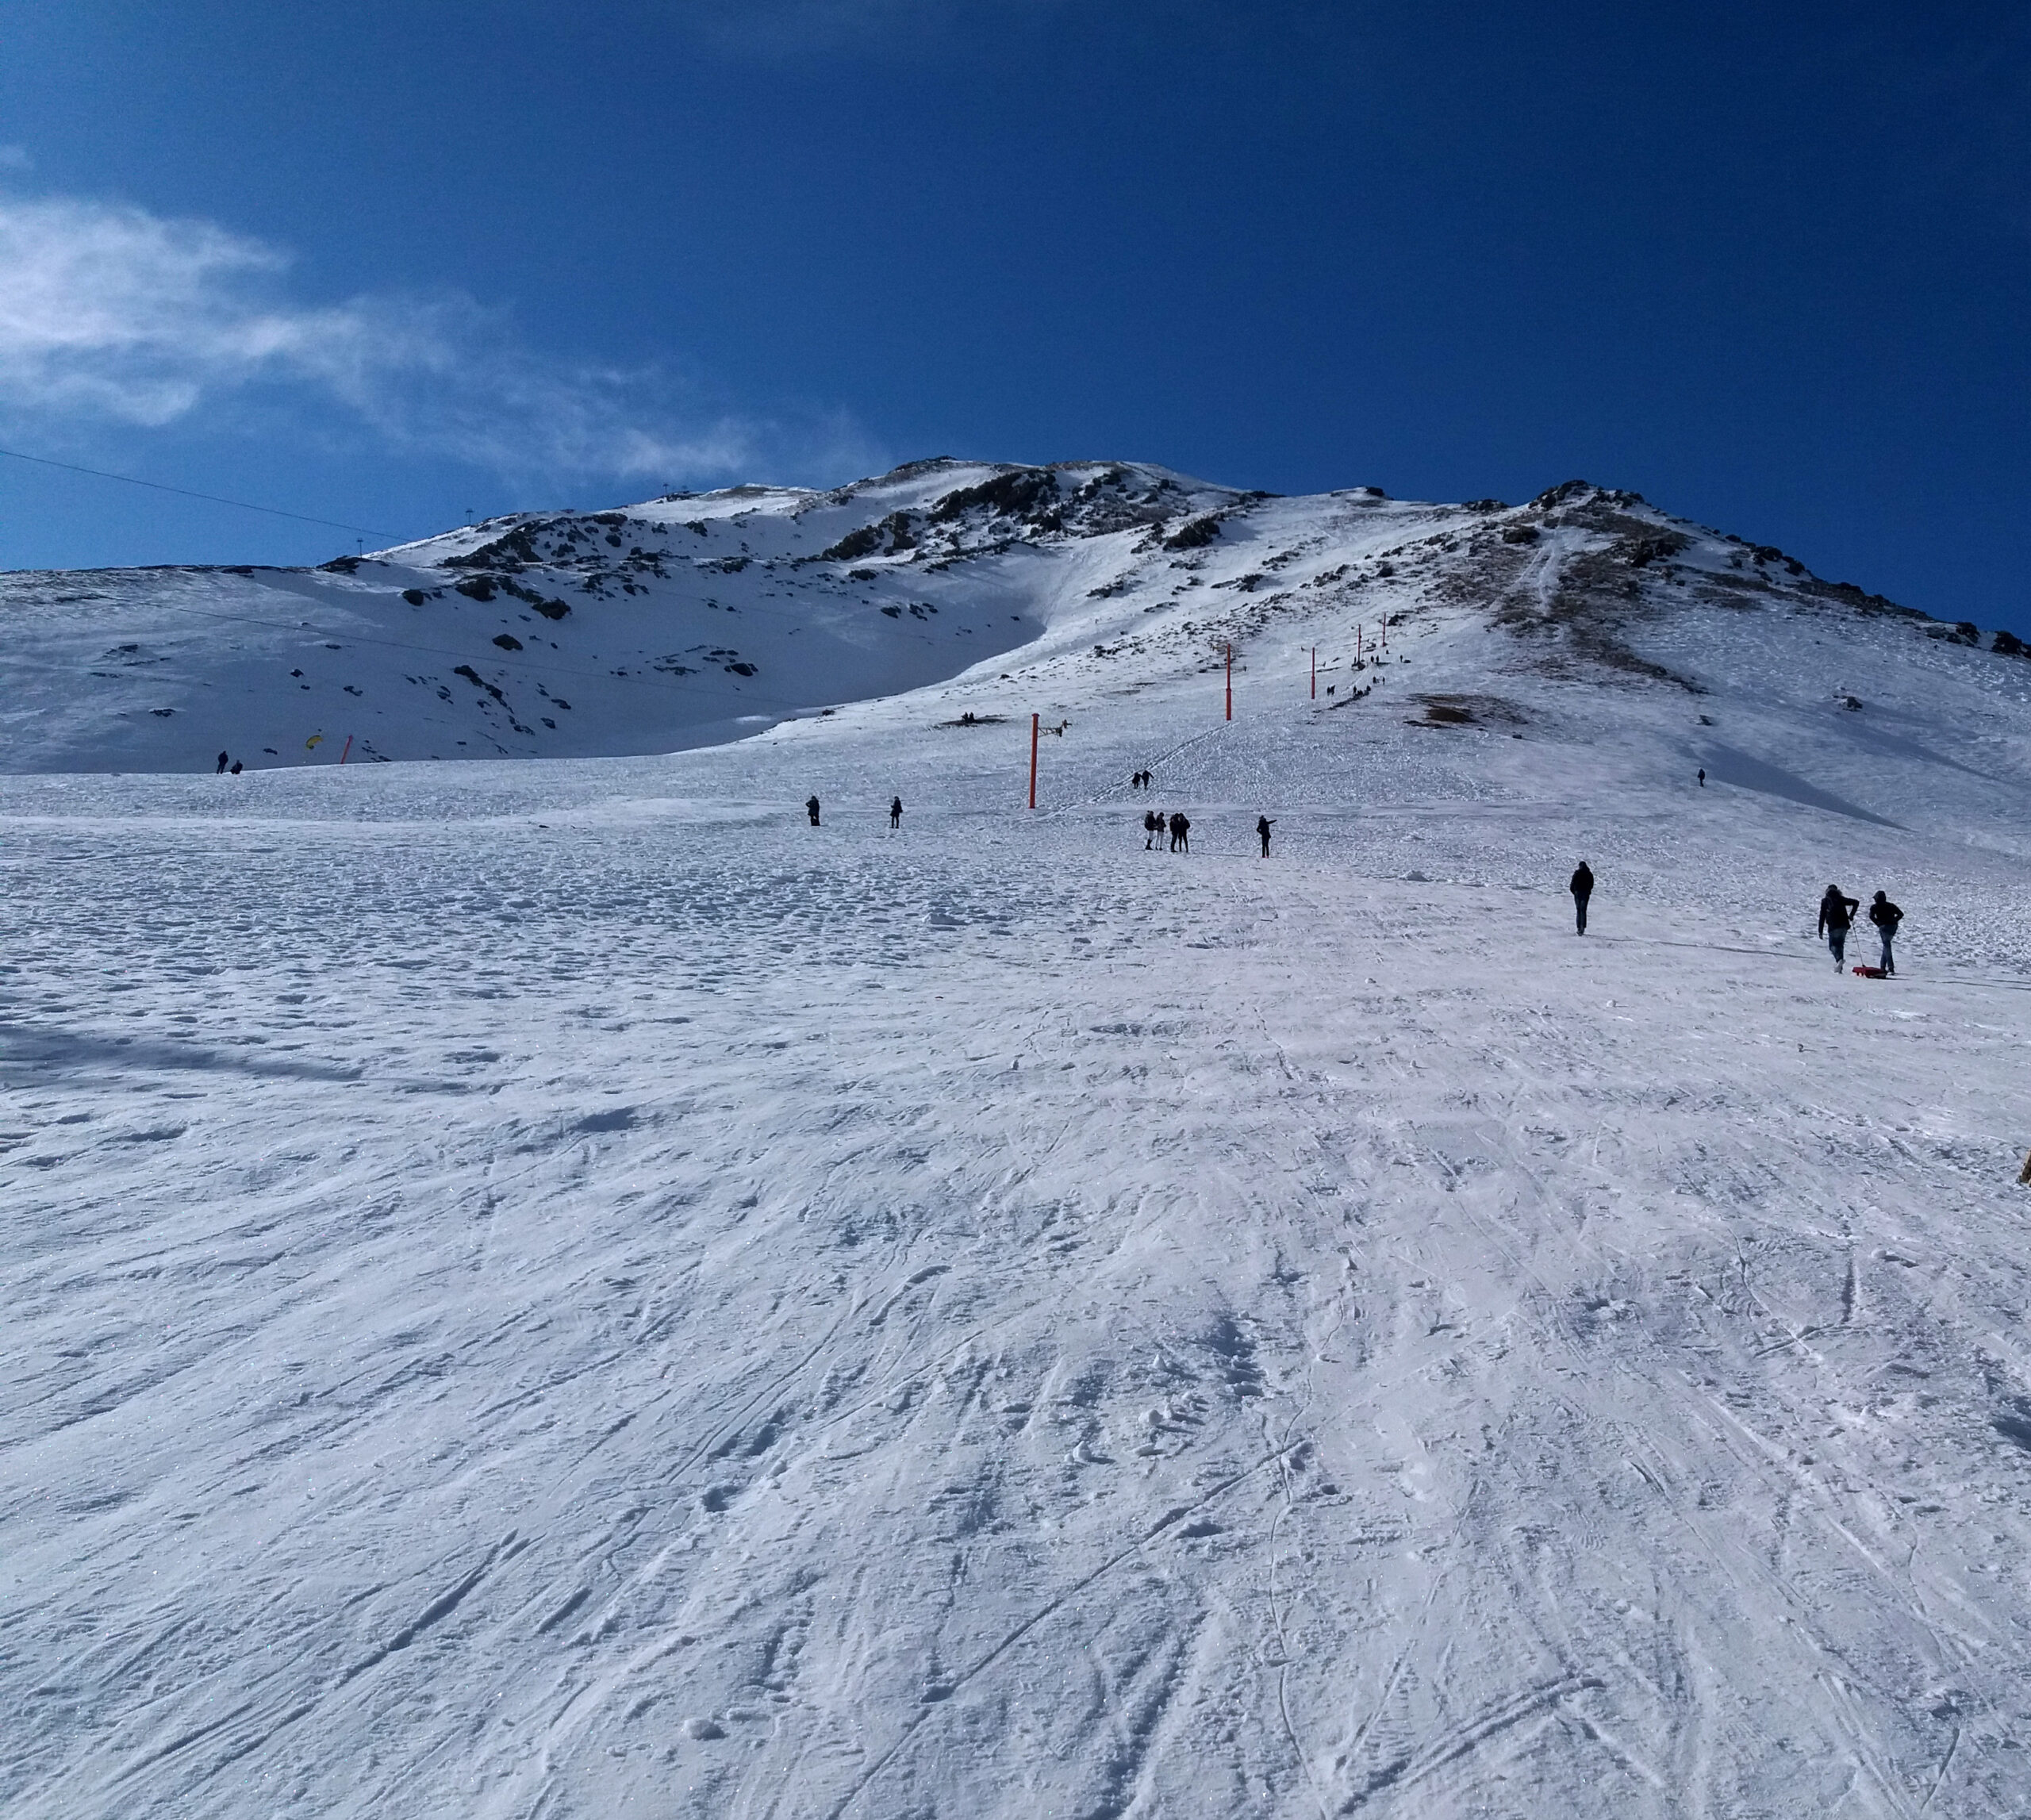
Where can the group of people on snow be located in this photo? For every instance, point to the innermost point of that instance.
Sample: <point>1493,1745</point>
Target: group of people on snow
<point>1837,910</point>
<point>1837,917</point>
<point>811,809</point>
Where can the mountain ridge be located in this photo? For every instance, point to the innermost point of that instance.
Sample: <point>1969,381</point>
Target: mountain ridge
<point>696,617</point>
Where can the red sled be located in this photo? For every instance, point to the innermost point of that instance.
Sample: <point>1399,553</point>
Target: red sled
<point>1872,972</point>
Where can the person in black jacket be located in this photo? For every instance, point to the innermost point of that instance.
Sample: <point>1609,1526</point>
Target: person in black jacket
<point>1181,832</point>
<point>1582,888</point>
<point>1886,916</point>
<point>1837,916</point>
<point>811,809</point>
<point>1263,824</point>
<point>895,812</point>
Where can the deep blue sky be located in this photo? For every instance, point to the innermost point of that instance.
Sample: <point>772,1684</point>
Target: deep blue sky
<point>1766,265</point>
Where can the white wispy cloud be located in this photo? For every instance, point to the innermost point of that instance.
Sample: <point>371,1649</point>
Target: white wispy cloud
<point>15,157</point>
<point>111,313</point>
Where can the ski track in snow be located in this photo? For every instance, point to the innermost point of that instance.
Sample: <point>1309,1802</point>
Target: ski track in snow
<point>558,1289</point>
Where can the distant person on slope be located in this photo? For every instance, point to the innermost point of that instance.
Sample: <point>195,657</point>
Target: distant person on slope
<point>1581,885</point>
<point>1153,825</point>
<point>1263,824</point>
<point>811,809</point>
<point>220,771</point>
<point>1837,916</point>
<point>236,768</point>
<point>895,812</point>
<point>1181,832</point>
<point>1886,916</point>
<point>1702,777</point>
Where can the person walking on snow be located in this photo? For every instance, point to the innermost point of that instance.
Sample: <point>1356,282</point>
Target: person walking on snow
<point>1886,916</point>
<point>895,812</point>
<point>1702,777</point>
<point>1837,916</point>
<point>1153,825</point>
<point>811,809</point>
<point>1581,885</point>
<point>1181,832</point>
<point>220,771</point>
<point>1263,824</point>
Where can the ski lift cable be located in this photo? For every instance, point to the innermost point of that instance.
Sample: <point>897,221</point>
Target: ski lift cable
<point>187,493</point>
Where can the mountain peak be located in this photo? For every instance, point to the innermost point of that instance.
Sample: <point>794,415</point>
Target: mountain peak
<point>692,618</point>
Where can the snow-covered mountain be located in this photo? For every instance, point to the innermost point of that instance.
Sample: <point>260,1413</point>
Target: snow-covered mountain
<point>689,619</point>
<point>556,1289</point>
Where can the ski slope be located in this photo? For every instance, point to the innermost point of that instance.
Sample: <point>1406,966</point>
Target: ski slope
<point>553,1288</point>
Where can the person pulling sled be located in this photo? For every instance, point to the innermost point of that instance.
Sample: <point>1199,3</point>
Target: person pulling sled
<point>1837,917</point>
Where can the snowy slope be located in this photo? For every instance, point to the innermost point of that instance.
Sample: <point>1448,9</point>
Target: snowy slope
<point>690,620</point>
<point>679,622</point>
<point>555,1288</point>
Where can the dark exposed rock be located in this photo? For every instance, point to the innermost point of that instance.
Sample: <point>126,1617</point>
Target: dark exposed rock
<point>479,681</point>
<point>1520,534</point>
<point>511,550</point>
<point>855,544</point>
<point>476,587</point>
<point>1848,594</point>
<point>508,641</point>
<point>2006,644</point>
<point>1640,552</point>
<point>1194,534</point>
<point>1584,492</point>
<point>1019,493</point>
<point>416,597</point>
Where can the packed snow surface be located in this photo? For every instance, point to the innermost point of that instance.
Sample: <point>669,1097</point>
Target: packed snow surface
<point>558,1289</point>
